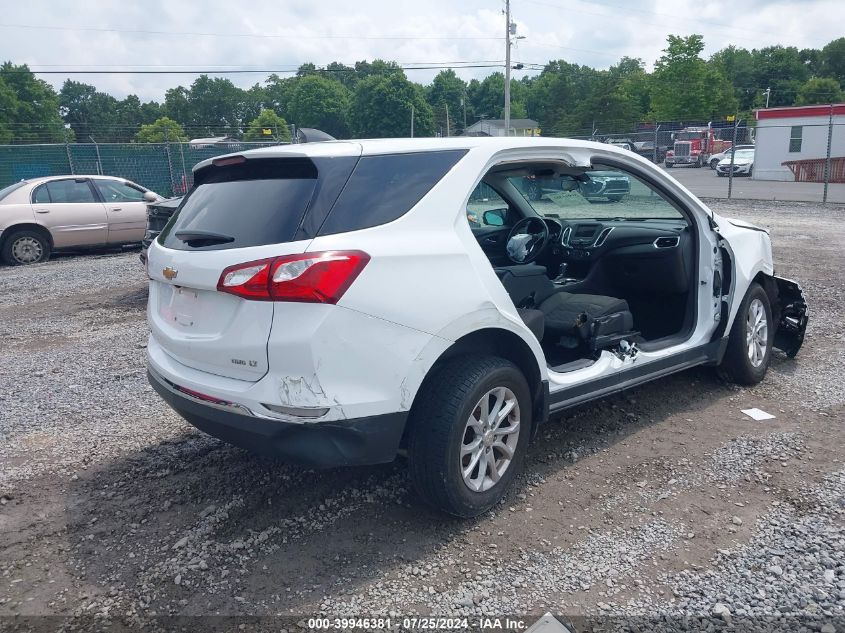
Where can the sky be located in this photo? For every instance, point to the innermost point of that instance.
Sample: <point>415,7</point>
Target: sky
<point>279,35</point>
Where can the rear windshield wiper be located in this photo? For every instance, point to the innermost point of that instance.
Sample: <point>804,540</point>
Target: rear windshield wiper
<point>203,238</point>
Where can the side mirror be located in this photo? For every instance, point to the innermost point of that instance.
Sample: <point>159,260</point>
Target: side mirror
<point>151,196</point>
<point>495,217</point>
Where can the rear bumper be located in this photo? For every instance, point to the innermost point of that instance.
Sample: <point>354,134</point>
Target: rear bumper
<point>351,442</point>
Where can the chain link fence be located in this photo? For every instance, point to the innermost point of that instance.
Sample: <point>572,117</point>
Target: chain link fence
<point>163,167</point>
<point>797,158</point>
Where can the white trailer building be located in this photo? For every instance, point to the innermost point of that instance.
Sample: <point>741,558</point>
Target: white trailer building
<point>795,134</point>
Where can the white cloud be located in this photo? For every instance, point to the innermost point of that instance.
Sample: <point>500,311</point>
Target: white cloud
<point>592,32</point>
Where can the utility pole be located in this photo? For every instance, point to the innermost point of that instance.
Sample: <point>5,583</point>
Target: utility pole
<point>733,156</point>
<point>412,120</point>
<point>448,129</point>
<point>768,93</point>
<point>508,27</point>
<point>827,160</point>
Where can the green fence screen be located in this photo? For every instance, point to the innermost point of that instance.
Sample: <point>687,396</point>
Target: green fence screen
<point>163,167</point>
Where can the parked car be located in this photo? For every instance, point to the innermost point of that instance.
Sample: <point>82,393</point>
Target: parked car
<point>158,214</point>
<point>332,305</point>
<point>743,163</point>
<point>605,185</point>
<point>40,215</point>
<point>715,158</point>
<point>646,150</point>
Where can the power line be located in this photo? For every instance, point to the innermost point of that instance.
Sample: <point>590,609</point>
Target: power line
<point>41,27</point>
<point>239,71</point>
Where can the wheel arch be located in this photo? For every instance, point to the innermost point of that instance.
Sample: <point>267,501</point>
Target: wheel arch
<point>503,343</point>
<point>27,226</point>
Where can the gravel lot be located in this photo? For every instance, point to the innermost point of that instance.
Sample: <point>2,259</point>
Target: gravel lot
<point>659,508</point>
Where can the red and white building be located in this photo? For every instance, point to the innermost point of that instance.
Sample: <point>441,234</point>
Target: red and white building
<point>796,133</point>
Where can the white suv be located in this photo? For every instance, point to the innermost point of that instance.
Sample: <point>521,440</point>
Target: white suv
<point>331,304</point>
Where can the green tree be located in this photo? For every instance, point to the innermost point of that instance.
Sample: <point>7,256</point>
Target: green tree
<point>737,65</point>
<point>322,103</point>
<point>782,69</point>
<point>255,99</point>
<point>268,120</point>
<point>381,107</point>
<point>8,106</point>
<point>160,131</point>
<point>554,97</point>
<point>34,112</point>
<point>832,60</point>
<point>447,92</point>
<point>820,90</point>
<point>177,105</point>
<point>278,91</point>
<point>488,96</point>
<point>216,105</point>
<point>342,73</point>
<point>685,87</point>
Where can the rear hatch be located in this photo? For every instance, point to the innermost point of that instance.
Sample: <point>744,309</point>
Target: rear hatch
<point>243,209</point>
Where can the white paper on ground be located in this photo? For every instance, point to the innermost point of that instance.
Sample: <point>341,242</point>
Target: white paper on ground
<point>757,414</point>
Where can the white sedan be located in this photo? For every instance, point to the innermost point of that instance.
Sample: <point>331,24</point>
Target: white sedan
<point>743,163</point>
<point>55,212</point>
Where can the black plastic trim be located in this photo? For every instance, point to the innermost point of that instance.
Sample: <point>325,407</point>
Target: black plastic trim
<point>350,442</point>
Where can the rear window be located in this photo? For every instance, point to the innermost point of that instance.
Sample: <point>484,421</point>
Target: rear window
<point>5,191</point>
<point>251,204</point>
<point>384,188</point>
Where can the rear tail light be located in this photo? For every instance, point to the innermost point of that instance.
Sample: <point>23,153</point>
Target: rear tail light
<point>310,277</point>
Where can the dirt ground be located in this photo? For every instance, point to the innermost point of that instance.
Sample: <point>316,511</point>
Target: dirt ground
<point>113,508</point>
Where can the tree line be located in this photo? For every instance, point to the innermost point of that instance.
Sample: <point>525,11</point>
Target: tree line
<point>376,99</point>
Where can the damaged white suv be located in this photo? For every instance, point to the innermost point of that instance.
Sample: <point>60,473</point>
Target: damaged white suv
<point>340,303</point>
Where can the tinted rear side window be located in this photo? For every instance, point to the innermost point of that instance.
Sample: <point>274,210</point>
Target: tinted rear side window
<point>384,188</point>
<point>253,204</point>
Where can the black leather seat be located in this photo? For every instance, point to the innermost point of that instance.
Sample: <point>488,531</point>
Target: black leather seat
<point>579,316</point>
<point>586,316</point>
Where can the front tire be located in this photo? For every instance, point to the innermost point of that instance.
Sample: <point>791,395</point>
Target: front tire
<point>713,164</point>
<point>25,247</point>
<point>749,350</point>
<point>469,433</point>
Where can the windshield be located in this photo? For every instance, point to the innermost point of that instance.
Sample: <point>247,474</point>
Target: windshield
<point>600,193</point>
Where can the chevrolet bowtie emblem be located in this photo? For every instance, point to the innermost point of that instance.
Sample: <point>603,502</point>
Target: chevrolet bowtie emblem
<point>170,273</point>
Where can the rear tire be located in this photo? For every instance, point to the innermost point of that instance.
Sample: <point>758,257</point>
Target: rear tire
<point>24,247</point>
<point>452,438</point>
<point>749,350</point>
<point>669,165</point>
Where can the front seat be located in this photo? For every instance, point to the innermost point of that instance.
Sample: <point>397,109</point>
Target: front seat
<point>596,319</point>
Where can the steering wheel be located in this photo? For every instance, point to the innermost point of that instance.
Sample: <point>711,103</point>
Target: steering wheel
<point>527,239</point>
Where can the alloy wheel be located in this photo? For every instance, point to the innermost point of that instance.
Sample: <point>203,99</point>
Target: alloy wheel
<point>490,439</point>
<point>756,332</point>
